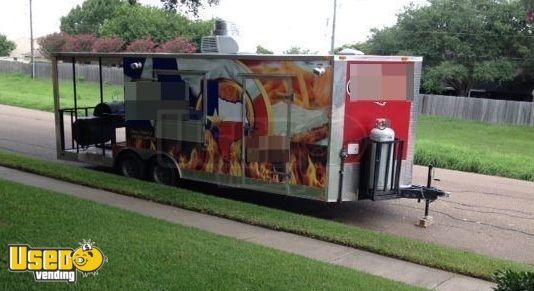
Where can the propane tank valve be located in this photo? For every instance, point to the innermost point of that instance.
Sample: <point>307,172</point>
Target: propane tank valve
<point>382,123</point>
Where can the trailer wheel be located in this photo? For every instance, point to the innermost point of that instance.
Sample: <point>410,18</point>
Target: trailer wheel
<point>131,165</point>
<point>163,170</point>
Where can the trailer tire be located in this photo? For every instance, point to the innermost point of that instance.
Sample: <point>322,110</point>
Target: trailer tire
<point>131,165</point>
<point>162,170</point>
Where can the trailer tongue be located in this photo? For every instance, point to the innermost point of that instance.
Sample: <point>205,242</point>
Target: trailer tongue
<point>382,168</point>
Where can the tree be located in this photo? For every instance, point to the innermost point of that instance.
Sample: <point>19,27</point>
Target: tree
<point>199,29</point>
<point>53,42</point>
<point>190,6</point>
<point>262,50</point>
<point>108,45</point>
<point>79,43</point>
<point>154,23</point>
<point>529,9</point>
<point>458,76</point>
<point>141,45</point>
<point>361,46</point>
<point>528,67</point>
<point>295,50</point>
<point>90,16</point>
<point>464,42</point>
<point>177,45</point>
<point>6,46</point>
<point>384,41</point>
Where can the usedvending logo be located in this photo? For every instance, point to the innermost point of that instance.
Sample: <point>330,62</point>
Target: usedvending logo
<point>56,264</point>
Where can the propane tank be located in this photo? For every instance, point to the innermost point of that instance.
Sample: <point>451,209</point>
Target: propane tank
<point>381,133</point>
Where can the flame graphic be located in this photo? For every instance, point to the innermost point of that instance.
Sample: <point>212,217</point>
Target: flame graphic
<point>304,171</point>
<point>302,168</point>
<point>235,159</point>
<point>214,162</point>
<point>263,171</point>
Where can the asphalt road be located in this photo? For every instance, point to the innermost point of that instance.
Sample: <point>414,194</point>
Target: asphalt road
<point>485,214</point>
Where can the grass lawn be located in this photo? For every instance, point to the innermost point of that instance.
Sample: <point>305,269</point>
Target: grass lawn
<point>433,255</point>
<point>477,147</point>
<point>148,254</point>
<point>501,150</point>
<point>21,90</point>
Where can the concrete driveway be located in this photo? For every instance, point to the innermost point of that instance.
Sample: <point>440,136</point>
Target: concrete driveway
<point>27,131</point>
<point>485,214</point>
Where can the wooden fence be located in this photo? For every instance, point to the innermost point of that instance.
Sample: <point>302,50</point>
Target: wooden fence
<point>86,72</point>
<point>486,110</point>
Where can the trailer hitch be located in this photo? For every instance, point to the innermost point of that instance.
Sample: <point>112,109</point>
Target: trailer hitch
<point>428,193</point>
<point>421,192</point>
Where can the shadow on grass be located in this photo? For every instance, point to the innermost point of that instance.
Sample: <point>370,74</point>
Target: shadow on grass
<point>315,208</point>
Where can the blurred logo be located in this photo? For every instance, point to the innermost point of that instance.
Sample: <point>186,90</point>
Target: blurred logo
<point>56,264</point>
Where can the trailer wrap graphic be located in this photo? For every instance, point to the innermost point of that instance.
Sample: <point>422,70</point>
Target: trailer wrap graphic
<point>265,120</point>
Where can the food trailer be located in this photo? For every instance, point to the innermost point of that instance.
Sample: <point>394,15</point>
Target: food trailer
<point>332,128</point>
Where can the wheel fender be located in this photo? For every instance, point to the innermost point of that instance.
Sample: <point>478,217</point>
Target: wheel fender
<point>122,153</point>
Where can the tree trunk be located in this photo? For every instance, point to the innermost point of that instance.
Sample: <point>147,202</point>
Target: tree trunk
<point>463,87</point>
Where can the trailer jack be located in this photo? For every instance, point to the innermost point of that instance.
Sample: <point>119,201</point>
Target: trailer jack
<point>428,193</point>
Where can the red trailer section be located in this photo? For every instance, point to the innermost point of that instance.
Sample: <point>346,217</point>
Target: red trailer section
<point>378,90</point>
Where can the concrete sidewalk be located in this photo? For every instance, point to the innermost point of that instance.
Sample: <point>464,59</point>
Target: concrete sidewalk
<point>398,270</point>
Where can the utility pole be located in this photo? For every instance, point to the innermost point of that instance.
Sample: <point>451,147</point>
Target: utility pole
<point>31,41</point>
<point>332,45</point>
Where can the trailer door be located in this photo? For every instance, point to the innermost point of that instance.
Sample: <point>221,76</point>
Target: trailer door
<point>266,141</point>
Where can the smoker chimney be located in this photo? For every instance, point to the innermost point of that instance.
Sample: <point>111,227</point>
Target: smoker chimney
<point>221,27</point>
<point>219,42</point>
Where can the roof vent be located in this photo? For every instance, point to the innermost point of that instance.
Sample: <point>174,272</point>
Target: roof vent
<point>220,42</point>
<point>349,51</point>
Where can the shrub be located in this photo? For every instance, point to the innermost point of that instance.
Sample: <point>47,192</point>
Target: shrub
<point>131,22</point>
<point>6,46</point>
<point>508,280</point>
<point>54,42</point>
<point>80,43</point>
<point>108,45</point>
<point>177,45</point>
<point>141,45</point>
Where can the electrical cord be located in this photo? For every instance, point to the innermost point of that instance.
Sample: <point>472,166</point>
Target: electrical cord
<point>476,222</point>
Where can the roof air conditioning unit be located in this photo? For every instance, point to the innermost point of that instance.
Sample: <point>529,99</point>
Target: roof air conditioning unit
<point>221,44</point>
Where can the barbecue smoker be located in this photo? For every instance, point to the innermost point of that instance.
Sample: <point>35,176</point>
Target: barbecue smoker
<point>330,128</point>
